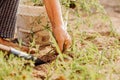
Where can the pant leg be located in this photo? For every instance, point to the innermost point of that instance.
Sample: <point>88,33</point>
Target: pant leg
<point>8,10</point>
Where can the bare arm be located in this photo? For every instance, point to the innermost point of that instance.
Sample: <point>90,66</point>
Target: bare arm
<point>55,15</point>
<point>54,12</point>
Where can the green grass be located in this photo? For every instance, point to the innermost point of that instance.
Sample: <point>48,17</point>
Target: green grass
<point>95,56</point>
<point>13,68</point>
<point>92,59</point>
<point>88,63</point>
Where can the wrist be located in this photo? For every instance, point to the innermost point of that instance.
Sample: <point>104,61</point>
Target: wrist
<point>62,27</point>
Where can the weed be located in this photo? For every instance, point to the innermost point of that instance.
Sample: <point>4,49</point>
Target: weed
<point>13,68</point>
<point>93,58</point>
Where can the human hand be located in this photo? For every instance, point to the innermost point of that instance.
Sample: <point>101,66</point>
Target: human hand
<point>62,37</point>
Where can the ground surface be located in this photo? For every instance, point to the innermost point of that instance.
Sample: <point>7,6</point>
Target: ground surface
<point>112,8</point>
<point>94,55</point>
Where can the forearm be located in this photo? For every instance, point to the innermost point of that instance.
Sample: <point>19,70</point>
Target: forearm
<point>54,13</point>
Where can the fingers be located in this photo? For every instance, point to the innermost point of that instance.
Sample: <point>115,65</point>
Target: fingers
<point>61,46</point>
<point>63,38</point>
<point>67,43</point>
<point>60,41</point>
<point>64,43</point>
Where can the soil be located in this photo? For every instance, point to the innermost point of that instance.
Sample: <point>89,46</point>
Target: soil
<point>112,8</point>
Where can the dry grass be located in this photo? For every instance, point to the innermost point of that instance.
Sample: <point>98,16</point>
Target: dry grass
<point>95,52</point>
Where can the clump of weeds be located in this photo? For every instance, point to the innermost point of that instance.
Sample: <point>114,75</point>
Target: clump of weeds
<point>90,59</point>
<point>94,55</point>
<point>14,68</point>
